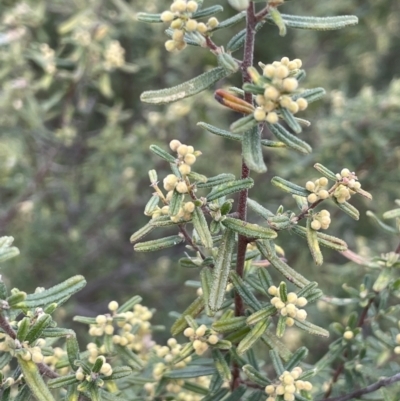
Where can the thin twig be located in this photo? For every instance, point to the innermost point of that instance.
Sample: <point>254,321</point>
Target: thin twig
<point>366,390</point>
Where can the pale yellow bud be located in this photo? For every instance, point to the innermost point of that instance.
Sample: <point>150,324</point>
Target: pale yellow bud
<point>273,291</point>
<point>323,181</point>
<point>308,386</point>
<point>167,16</point>
<point>288,397</point>
<point>269,71</point>
<point>285,101</point>
<point>301,315</point>
<point>281,72</point>
<point>200,331</point>
<point>293,107</point>
<point>301,301</point>
<point>189,332</point>
<point>191,25</point>
<point>101,319</point>
<point>397,350</point>
<point>285,60</point>
<point>298,62</point>
<point>310,186</point>
<point>113,306</point>
<point>271,93</point>
<point>272,117</point>
<point>181,187</point>
<point>37,357</point>
<point>259,114</point>
<point>170,45</point>
<point>269,106</point>
<point>270,389</point>
<point>189,207</point>
<point>292,65</point>
<point>290,84</point>
<point>312,198</point>
<point>213,22</point>
<point>182,150</point>
<point>176,24</point>
<point>213,339</point>
<point>348,335</point>
<point>302,103</point>
<point>202,27</point>
<point>79,375</point>
<point>178,35</point>
<point>109,329</point>
<point>106,369</point>
<point>190,159</point>
<point>345,172</point>
<point>178,6</point>
<point>192,6</point>
<point>184,169</point>
<point>323,194</point>
<point>289,322</point>
<point>280,390</point>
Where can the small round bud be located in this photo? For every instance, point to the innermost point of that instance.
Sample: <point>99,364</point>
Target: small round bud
<point>79,375</point>
<point>312,198</point>
<point>308,386</point>
<point>178,6</point>
<point>357,185</point>
<point>289,322</point>
<point>345,172</point>
<point>176,24</point>
<point>174,145</point>
<point>323,181</point>
<point>292,65</point>
<point>281,72</point>
<point>348,335</point>
<point>273,291</point>
<point>298,62</point>
<point>189,207</point>
<point>101,319</point>
<point>184,169</point>
<point>167,16</point>
<point>293,107</point>
<point>182,150</point>
<point>302,103</point>
<point>398,338</point>
<point>310,186</point>
<point>200,331</point>
<point>37,357</point>
<point>259,114</point>
<point>181,187</point>
<point>113,306</point>
<point>269,71</point>
<point>170,45</point>
<point>279,305</point>
<point>285,60</point>
<point>301,301</point>
<point>270,389</point>
<point>213,22</point>
<point>323,194</point>
<point>269,106</point>
<point>191,25</point>
<point>197,344</point>
<point>301,315</point>
<point>192,6</point>
<point>213,339</point>
<point>271,93</point>
<point>397,350</point>
<point>290,85</point>
<point>292,297</point>
<point>109,329</point>
<point>290,388</point>
<point>280,390</point>
<point>189,332</point>
<point>202,27</point>
<point>285,101</point>
<point>190,159</point>
<point>272,117</point>
<point>288,397</point>
<point>106,369</point>
<point>178,35</point>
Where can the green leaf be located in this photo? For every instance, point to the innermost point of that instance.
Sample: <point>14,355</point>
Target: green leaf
<point>197,178</point>
<point>162,221</point>
<point>273,342</point>
<point>288,139</point>
<point>206,284</point>
<point>289,187</point>
<point>36,330</point>
<point>200,224</point>
<point>260,210</point>
<point>195,388</point>
<point>189,88</point>
<point>383,280</point>
<point>55,294</point>
<point>221,270</point>
<point>391,214</point>
<point>206,12</point>
<point>162,153</point>
<point>220,132</point>
<point>221,364</point>
<point>227,62</point>
<point>326,172</point>
<point>249,230</point>
<point>291,120</point>
<point>319,23</point>
<point>192,310</point>
<point>230,324</point>
<point>23,328</point>
<point>237,394</point>
<point>151,205</point>
<point>229,188</point>
<point>276,16</point>
<point>158,244</point>
<point>62,381</point>
<point>190,371</point>
<point>231,21</point>
<point>311,95</point>
<point>176,202</point>
<point>386,227</point>
<point>313,244</point>
<point>6,250</point>
<point>72,351</point>
<point>244,124</point>
<point>253,336</point>
<point>216,180</point>
<point>291,275</point>
<point>281,326</point>
<point>244,292</point>
<point>347,208</point>
<point>276,361</point>
<point>129,304</point>
<point>264,279</point>
<point>311,328</point>
<point>150,18</point>
<point>255,376</point>
<point>324,239</point>
<point>54,332</point>
<point>130,357</point>
<point>252,151</point>
<point>34,380</point>
<point>238,40</point>
<point>296,358</point>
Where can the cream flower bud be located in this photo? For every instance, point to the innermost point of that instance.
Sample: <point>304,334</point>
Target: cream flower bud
<point>270,389</point>
<point>167,16</point>
<point>269,71</point>
<point>184,169</point>
<point>178,6</point>
<point>348,335</point>
<point>190,159</point>
<point>113,306</point>
<point>301,315</point>
<point>178,35</point>
<point>213,339</point>
<point>174,145</point>
<point>192,6</point>
<point>181,187</point>
<point>191,25</point>
<point>312,198</point>
<point>188,332</point>
<point>200,331</point>
<point>202,27</point>
<point>293,107</point>
<point>345,172</point>
<point>101,319</point>
<point>170,45</point>
<point>271,93</point>
<point>292,297</point>
<point>323,181</point>
<point>212,22</point>
<point>302,301</point>
<point>259,114</point>
<point>323,194</point>
<point>281,72</point>
<point>310,186</point>
<point>272,117</point>
<point>285,60</point>
<point>302,103</point>
<point>290,84</point>
<point>273,291</point>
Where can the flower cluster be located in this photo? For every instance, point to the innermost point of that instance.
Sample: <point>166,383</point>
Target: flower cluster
<point>170,352</point>
<point>180,16</point>
<point>105,370</point>
<point>279,85</point>
<point>289,308</point>
<point>48,56</point>
<point>133,326</point>
<point>289,385</point>
<point>114,55</point>
<point>348,185</point>
<point>201,338</point>
<point>321,219</point>
<point>318,189</point>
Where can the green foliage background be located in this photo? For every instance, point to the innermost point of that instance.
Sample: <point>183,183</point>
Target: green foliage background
<point>74,138</point>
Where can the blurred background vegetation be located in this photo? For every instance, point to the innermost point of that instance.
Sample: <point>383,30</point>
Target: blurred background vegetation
<point>74,139</point>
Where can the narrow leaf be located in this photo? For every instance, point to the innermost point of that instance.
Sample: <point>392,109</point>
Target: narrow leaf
<point>311,328</point>
<point>206,284</point>
<point>175,203</point>
<point>6,250</point>
<point>150,18</point>
<point>189,88</point>
<point>348,209</point>
<point>141,233</point>
<point>220,132</point>
<point>230,324</point>
<point>62,381</point>
<point>244,124</point>
<point>324,239</point>
<point>260,210</point>
<point>296,358</point>
<point>291,120</point>
<point>289,187</point>
<point>313,244</point>
<point>221,270</point>
<point>231,21</point>
<point>276,16</point>
<point>200,224</point>
<point>252,337</point>
<point>221,364</point>
<point>216,180</point>
<point>325,171</point>
<point>386,227</point>
<point>252,151</point>
<point>288,139</point>
<point>192,310</point>
<point>319,23</point>
<point>162,153</point>
<point>206,12</point>
<point>311,95</point>
<point>230,188</point>
<point>190,371</point>
<point>158,244</point>
<point>249,230</point>
<point>244,292</point>
<point>255,376</point>
<point>273,342</point>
